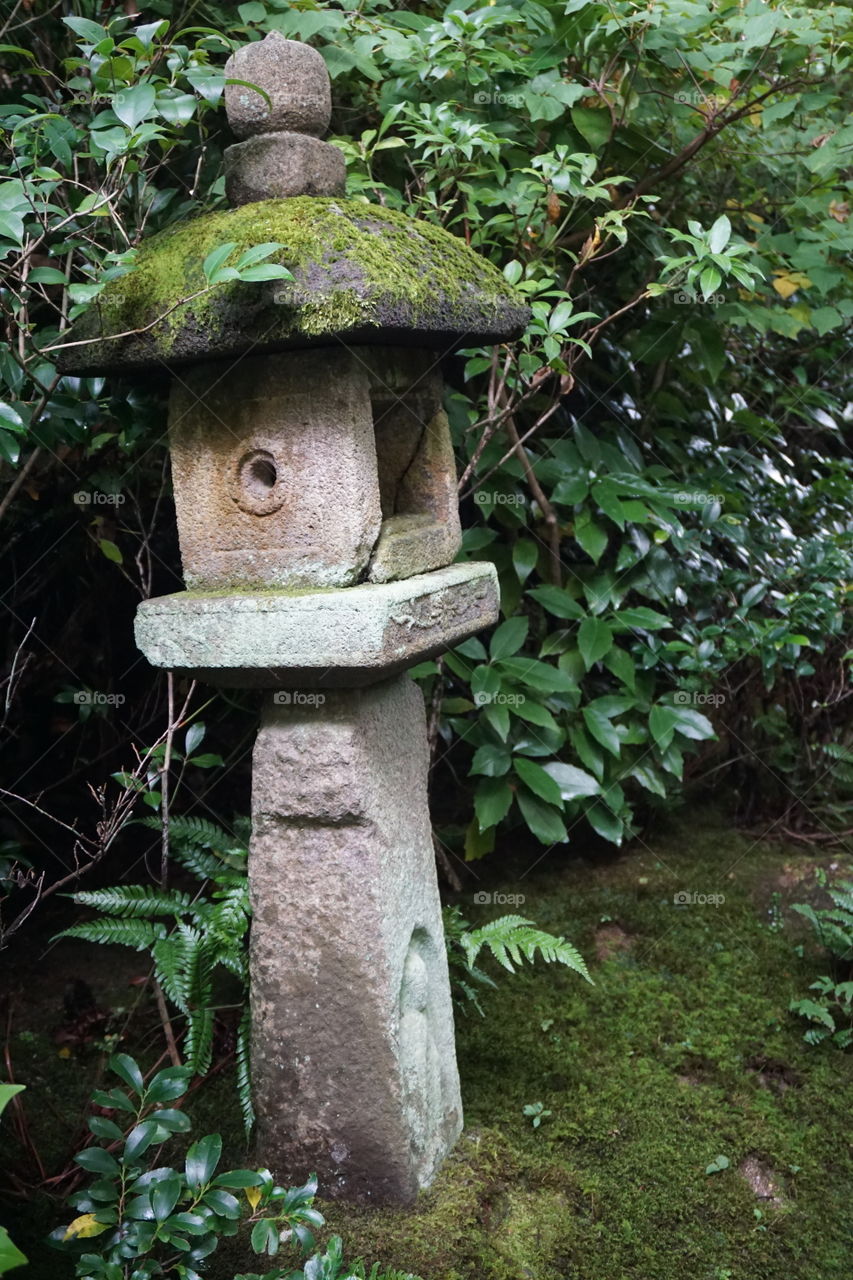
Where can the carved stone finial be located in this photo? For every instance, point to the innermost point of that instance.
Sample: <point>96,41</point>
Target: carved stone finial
<point>294,77</point>
<point>282,153</point>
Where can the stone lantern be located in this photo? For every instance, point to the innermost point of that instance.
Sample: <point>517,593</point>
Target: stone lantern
<point>315,492</point>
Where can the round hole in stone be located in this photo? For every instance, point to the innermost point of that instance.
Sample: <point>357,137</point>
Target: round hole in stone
<point>258,475</point>
<point>255,486</point>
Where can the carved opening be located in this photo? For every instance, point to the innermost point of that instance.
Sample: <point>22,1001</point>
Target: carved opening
<point>256,488</point>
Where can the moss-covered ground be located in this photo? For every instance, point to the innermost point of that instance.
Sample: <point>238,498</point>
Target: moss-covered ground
<point>681,1052</point>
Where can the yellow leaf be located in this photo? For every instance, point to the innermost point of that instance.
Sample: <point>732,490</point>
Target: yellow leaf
<point>788,282</point>
<point>65,1052</point>
<point>253,1195</point>
<point>84,1227</point>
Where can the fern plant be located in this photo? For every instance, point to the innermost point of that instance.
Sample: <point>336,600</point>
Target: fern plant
<point>510,940</point>
<point>190,938</point>
<point>830,1010</point>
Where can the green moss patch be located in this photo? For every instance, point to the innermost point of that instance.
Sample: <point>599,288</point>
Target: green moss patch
<point>356,267</point>
<point>682,1051</point>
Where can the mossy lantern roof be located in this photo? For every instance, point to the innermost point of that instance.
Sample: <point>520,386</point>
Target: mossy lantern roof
<point>361,273</point>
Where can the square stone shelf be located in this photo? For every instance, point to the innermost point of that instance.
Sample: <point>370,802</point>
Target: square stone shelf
<point>348,636</point>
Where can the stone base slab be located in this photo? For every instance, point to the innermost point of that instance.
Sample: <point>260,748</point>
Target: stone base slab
<point>347,637</point>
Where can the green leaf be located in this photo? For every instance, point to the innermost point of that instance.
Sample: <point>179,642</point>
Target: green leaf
<point>532,674</point>
<point>601,728</point>
<point>165,1194</point>
<point>8,1092</point>
<point>46,275</point>
<point>168,1084</point>
<point>543,819</point>
<point>88,31</point>
<point>539,782</point>
<point>111,551</point>
<point>720,234</point>
<point>508,638</point>
<point>266,271</point>
<point>491,761</point>
<point>215,259</point>
<point>557,602</point>
<point>594,640</point>
<point>533,713</point>
<point>134,104</point>
<point>571,491</point>
<point>525,553</point>
<point>139,1140</point>
<point>492,800</point>
<point>573,783</point>
<point>692,724</point>
<point>642,618</point>
<point>223,1203</point>
<point>202,1159</point>
<point>605,822</point>
<point>97,1160</point>
<point>608,499</point>
<point>593,124</point>
<point>10,1254</point>
<point>590,536</point>
<point>264,1237</point>
<point>12,227</point>
<point>662,722</point>
<point>128,1071</point>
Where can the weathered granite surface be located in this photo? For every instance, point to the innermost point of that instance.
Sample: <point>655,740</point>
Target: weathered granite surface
<point>274,471</point>
<point>294,639</point>
<point>296,92</point>
<point>353,1056</point>
<point>274,166</point>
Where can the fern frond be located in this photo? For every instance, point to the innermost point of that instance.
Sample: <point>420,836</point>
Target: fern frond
<point>194,831</point>
<point>142,935</point>
<point>176,963</point>
<point>244,1073</point>
<point>134,900</point>
<point>228,919</point>
<point>198,1045</point>
<point>513,939</point>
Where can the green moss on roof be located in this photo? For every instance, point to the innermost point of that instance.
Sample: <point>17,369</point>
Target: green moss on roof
<point>356,268</point>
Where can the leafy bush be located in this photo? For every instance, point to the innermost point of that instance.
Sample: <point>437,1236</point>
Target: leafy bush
<point>156,1221</point>
<point>830,1010</point>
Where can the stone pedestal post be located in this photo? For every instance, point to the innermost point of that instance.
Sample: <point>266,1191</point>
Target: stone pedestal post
<point>352,1025</point>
